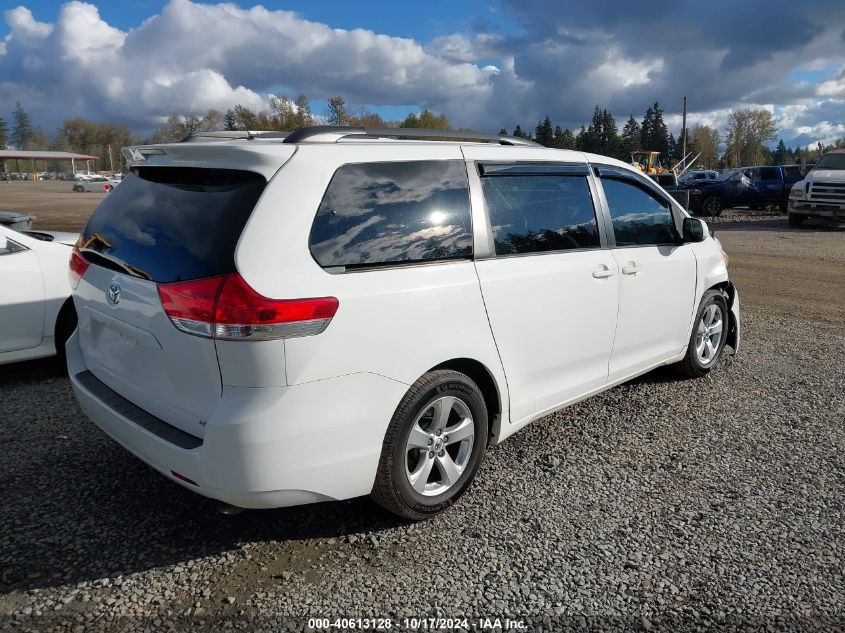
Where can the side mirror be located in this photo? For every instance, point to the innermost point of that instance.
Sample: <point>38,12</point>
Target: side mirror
<point>693,230</point>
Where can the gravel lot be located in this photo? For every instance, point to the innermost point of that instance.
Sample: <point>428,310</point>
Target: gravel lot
<point>660,505</point>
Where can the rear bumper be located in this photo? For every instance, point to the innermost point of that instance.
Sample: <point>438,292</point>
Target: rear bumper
<point>263,447</point>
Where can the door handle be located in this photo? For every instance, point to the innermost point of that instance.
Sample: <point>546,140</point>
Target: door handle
<point>631,269</point>
<point>602,273</point>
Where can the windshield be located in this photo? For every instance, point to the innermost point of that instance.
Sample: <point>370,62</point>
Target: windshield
<point>832,161</point>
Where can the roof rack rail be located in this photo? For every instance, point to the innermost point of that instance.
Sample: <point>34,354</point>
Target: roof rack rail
<point>333,133</point>
<point>218,135</point>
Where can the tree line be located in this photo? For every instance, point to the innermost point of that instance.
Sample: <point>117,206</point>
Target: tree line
<point>745,141</point>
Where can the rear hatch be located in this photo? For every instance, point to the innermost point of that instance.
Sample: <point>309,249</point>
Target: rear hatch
<point>162,225</point>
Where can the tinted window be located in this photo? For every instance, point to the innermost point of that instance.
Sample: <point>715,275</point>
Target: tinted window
<point>532,214</point>
<point>639,217</point>
<point>768,173</point>
<point>376,213</point>
<point>171,224</point>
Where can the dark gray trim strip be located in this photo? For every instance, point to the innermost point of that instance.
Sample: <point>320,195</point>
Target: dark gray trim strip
<point>531,169</point>
<point>135,414</point>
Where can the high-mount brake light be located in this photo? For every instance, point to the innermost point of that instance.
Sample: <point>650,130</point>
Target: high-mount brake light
<point>226,307</point>
<point>78,266</point>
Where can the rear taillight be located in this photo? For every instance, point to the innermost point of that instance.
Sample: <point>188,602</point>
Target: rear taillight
<point>225,307</point>
<point>78,266</point>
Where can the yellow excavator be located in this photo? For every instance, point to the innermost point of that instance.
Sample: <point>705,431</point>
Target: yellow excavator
<point>648,162</point>
<point>652,163</point>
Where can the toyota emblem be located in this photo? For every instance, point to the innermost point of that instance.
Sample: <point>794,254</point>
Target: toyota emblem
<point>113,293</point>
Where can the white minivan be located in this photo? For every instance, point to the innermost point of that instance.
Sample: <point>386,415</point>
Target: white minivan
<point>274,320</point>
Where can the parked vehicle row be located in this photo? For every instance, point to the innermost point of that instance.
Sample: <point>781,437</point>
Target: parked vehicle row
<point>97,184</point>
<point>754,187</point>
<point>274,322</point>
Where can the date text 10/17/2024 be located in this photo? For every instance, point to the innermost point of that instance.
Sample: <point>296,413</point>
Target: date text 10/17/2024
<point>415,624</point>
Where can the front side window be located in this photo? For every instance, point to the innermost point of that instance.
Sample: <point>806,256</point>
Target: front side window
<point>768,173</point>
<point>639,217</point>
<point>381,213</point>
<point>533,214</point>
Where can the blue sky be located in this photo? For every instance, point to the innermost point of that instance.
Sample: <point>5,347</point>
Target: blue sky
<point>485,64</point>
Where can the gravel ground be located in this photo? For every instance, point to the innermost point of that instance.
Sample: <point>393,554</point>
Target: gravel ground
<point>660,505</point>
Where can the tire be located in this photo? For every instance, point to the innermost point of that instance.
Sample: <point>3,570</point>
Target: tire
<point>712,206</point>
<point>796,220</point>
<point>401,462</point>
<point>700,359</point>
<point>78,188</point>
<point>65,325</point>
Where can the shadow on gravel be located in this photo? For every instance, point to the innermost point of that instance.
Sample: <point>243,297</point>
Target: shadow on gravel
<point>31,371</point>
<point>78,507</point>
<point>85,530</point>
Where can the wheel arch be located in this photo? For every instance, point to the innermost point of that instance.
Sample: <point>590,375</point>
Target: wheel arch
<point>729,291</point>
<point>483,377</point>
<point>66,315</point>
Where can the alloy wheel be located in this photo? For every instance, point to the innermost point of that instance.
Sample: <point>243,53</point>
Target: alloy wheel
<point>439,446</point>
<point>709,334</point>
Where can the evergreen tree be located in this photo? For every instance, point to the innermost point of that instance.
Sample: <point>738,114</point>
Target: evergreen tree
<point>518,132</point>
<point>4,132</point>
<point>22,131</point>
<point>229,121</point>
<point>654,136</point>
<point>630,139</point>
<point>503,132</point>
<point>338,114</point>
<point>608,134</point>
<point>602,135</point>
<point>563,139</point>
<point>672,148</point>
<point>583,142</point>
<point>782,154</point>
<point>544,133</point>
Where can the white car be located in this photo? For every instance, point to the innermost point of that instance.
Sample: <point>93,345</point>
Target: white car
<point>271,322</point>
<point>36,312</point>
<point>96,184</point>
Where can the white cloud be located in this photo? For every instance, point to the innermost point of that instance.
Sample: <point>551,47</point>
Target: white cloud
<point>196,56</point>
<point>558,58</point>
<point>622,72</point>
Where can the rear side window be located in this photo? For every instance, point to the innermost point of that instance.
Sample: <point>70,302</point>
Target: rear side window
<point>173,224</point>
<point>384,213</point>
<point>639,217</point>
<point>534,213</point>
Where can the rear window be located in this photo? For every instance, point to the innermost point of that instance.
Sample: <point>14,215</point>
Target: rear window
<point>387,213</point>
<point>172,224</point>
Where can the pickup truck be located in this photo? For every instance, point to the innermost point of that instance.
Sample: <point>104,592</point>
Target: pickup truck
<point>754,187</point>
<point>821,194</point>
